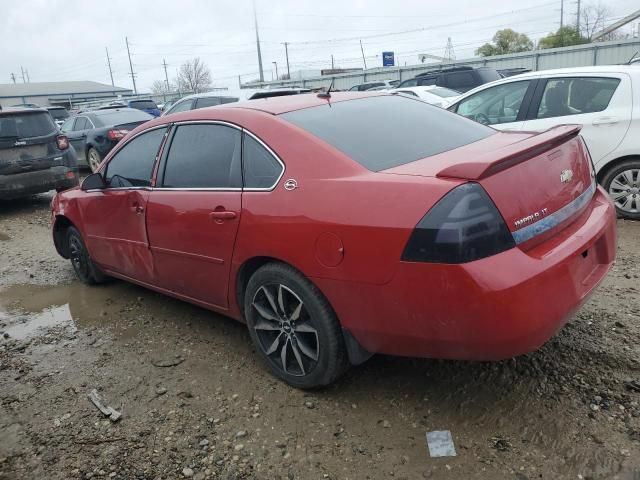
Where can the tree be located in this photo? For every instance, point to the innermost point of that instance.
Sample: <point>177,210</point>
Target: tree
<point>563,37</point>
<point>194,76</point>
<point>592,19</point>
<point>506,41</point>
<point>159,87</point>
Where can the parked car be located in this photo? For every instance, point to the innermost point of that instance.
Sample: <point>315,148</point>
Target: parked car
<point>438,96</point>
<point>199,100</point>
<point>337,228</point>
<point>34,156</point>
<point>94,133</point>
<point>27,105</point>
<point>460,79</point>
<point>146,105</point>
<point>59,114</point>
<point>385,84</point>
<point>510,72</point>
<point>603,100</point>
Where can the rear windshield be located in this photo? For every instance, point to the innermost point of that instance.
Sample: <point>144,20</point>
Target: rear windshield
<point>444,92</point>
<point>143,104</point>
<point>388,131</point>
<point>59,113</point>
<point>120,117</point>
<point>26,125</point>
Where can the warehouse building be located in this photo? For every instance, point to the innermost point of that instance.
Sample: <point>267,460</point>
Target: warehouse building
<point>63,94</point>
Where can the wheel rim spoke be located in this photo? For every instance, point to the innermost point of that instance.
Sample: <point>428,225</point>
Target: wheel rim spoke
<point>616,185</point>
<point>270,299</point>
<point>274,345</point>
<point>262,325</point>
<point>296,353</point>
<point>283,355</point>
<point>305,349</point>
<point>304,328</point>
<point>264,313</point>
<point>281,301</point>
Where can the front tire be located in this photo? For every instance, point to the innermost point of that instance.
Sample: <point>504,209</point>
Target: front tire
<point>293,327</point>
<point>86,271</point>
<point>622,183</point>
<point>94,159</point>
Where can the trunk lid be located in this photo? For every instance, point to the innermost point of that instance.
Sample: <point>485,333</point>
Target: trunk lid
<point>540,183</point>
<point>28,142</point>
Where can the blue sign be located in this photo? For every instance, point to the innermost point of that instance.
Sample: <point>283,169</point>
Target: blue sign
<point>387,59</point>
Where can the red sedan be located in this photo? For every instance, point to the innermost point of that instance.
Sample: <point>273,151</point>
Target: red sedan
<point>344,225</point>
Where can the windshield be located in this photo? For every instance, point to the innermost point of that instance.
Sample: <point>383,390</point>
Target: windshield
<point>387,131</point>
<point>119,117</point>
<point>143,104</point>
<point>59,113</point>
<point>33,124</point>
<point>444,92</point>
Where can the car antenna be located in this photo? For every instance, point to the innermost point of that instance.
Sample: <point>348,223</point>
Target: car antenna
<point>326,94</point>
<point>632,57</point>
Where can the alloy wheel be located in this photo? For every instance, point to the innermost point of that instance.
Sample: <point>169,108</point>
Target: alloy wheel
<point>285,330</point>
<point>78,256</point>
<point>94,160</point>
<point>624,190</point>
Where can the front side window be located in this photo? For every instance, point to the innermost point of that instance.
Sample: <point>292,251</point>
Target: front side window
<point>573,96</point>
<point>67,126</point>
<point>81,124</point>
<point>181,107</point>
<point>204,156</point>
<point>261,169</point>
<point>133,165</point>
<point>495,105</point>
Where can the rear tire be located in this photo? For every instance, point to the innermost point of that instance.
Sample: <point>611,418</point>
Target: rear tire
<point>622,183</point>
<point>94,159</point>
<point>86,271</point>
<point>293,327</point>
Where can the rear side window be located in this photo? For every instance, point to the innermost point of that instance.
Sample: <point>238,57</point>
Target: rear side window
<point>132,166</point>
<point>26,125</point>
<point>143,104</point>
<point>207,102</point>
<point>388,131</point>
<point>204,156</point>
<point>573,96</point>
<point>261,169</point>
<point>427,81</point>
<point>81,124</point>
<point>460,80</point>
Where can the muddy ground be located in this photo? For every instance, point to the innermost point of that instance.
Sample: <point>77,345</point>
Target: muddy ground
<point>570,410</point>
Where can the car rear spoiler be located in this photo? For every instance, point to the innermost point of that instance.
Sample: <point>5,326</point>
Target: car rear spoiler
<point>495,161</point>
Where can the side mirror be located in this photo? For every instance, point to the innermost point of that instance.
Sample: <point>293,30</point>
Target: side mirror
<point>95,181</point>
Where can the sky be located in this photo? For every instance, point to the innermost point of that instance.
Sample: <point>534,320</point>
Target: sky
<point>57,40</point>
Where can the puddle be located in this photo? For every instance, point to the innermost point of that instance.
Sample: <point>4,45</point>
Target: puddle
<point>22,327</point>
<point>4,237</point>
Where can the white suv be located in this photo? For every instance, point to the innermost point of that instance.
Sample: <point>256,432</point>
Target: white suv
<point>605,100</point>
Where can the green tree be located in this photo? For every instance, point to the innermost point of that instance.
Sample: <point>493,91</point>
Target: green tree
<point>506,41</point>
<point>564,37</point>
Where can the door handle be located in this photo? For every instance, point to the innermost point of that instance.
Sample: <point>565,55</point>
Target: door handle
<point>137,208</point>
<point>605,121</point>
<point>222,215</point>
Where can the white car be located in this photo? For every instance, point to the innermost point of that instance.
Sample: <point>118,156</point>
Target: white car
<point>605,100</point>
<point>438,96</point>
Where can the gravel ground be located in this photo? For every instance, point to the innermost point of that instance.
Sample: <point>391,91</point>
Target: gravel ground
<point>196,403</point>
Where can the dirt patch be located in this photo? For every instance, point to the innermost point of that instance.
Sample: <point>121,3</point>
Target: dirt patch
<point>195,400</point>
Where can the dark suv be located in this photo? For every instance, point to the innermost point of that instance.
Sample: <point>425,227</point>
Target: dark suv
<point>34,156</point>
<point>461,79</point>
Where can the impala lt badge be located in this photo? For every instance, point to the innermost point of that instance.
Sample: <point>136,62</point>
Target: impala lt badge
<point>531,218</point>
<point>566,176</point>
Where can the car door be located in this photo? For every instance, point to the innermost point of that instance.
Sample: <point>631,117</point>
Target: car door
<point>114,218</point>
<point>600,103</point>
<point>75,130</point>
<point>194,210</point>
<point>502,106</point>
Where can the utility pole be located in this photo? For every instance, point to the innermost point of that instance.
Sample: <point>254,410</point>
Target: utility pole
<point>255,18</point>
<point>27,73</point>
<point>286,53</point>
<point>133,75</point>
<point>332,65</point>
<point>276,64</point>
<point>166,75</point>
<point>561,13</point>
<point>22,70</point>
<point>109,65</point>
<point>364,60</point>
<point>13,77</point>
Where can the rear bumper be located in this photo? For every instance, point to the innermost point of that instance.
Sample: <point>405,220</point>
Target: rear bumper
<point>490,309</point>
<point>29,183</point>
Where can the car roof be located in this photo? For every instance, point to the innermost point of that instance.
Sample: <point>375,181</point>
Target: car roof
<point>420,88</point>
<point>290,103</point>
<point>16,110</point>
<point>107,111</point>
<point>203,95</point>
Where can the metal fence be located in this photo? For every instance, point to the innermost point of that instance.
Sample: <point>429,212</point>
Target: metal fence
<point>600,53</point>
